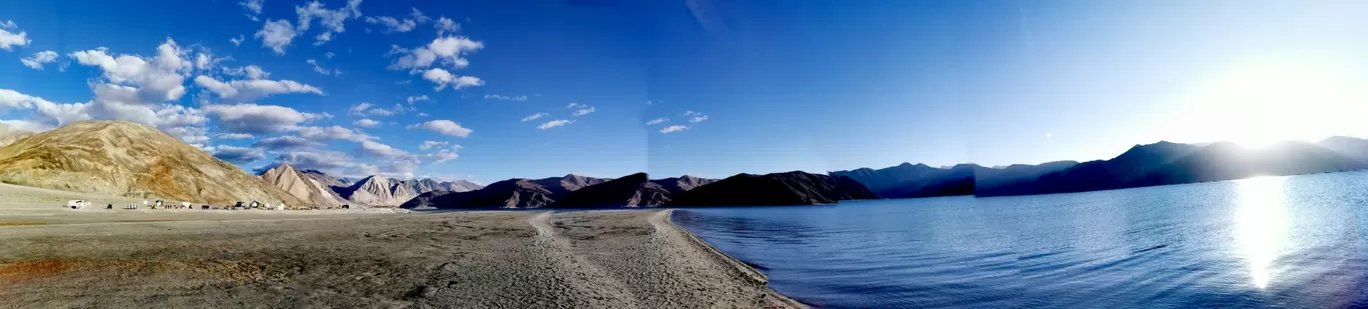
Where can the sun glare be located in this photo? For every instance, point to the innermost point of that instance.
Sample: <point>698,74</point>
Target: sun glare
<point>1261,225</point>
<point>1259,104</point>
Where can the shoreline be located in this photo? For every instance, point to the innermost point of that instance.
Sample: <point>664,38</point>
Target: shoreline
<point>483,259</point>
<point>737,264</point>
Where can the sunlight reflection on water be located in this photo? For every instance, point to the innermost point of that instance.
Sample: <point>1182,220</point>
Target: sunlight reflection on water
<point>1262,227</point>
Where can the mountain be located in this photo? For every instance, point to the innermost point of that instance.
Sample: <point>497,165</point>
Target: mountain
<point>1005,180</point>
<point>1348,146</point>
<point>1226,161</point>
<point>460,186</point>
<point>304,186</point>
<point>1167,163</point>
<point>907,180</point>
<point>675,185</point>
<point>512,193</point>
<point>791,188</point>
<point>379,191</point>
<point>323,179</point>
<point>567,183</point>
<point>635,190</point>
<point>129,159</point>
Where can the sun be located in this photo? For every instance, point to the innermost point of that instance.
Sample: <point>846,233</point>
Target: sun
<point>1261,103</point>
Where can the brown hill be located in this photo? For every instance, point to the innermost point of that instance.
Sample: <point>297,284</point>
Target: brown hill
<point>129,159</point>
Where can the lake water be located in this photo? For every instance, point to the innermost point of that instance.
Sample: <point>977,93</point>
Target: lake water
<point>1279,242</point>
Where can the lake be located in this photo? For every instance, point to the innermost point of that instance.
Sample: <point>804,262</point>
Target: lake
<point>1279,242</point>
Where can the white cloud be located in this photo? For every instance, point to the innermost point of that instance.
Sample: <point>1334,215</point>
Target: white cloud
<point>554,123</point>
<point>276,35</point>
<point>252,89</point>
<point>418,16</point>
<point>329,55</point>
<point>422,114</point>
<point>574,105</point>
<point>250,71</point>
<point>156,79</point>
<point>691,113</point>
<point>383,151</point>
<point>412,99</point>
<point>384,112</point>
<point>699,118</point>
<point>38,59</point>
<point>445,25</point>
<point>233,136</point>
<point>674,128</point>
<point>583,110</point>
<point>359,109</point>
<point>8,40</point>
<point>443,79</point>
<point>332,133</point>
<point>237,41</point>
<point>506,98</point>
<point>533,117</point>
<point>445,127</point>
<point>393,24</point>
<point>449,49</point>
<point>320,69</point>
<point>288,142</point>
<point>367,123</point>
<point>332,20</point>
<point>443,155</point>
<point>258,119</point>
<point>429,144</point>
<point>253,8</point>
<point>238,155</point>
<point>657,121</point>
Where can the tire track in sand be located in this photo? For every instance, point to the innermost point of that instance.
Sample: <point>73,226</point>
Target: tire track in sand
<point>582,275</point>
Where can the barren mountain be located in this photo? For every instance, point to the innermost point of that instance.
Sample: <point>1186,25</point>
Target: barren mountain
<point>304,186</point>
<point>324,179</point>
<point>635,190</point>
<point>791,188</point>
<point>683,183</point>
<point>129,159</point>
<point>460,186</point>
<point>512,193</point>
<point>378,191</point>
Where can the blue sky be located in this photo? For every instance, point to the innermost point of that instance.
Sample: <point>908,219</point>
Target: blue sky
<point>727,86</point>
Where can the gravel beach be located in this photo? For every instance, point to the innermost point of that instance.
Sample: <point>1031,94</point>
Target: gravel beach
<point>61,258</point>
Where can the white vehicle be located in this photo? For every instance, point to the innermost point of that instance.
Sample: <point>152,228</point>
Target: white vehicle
<point>77,204</point>
<point>187,205</point>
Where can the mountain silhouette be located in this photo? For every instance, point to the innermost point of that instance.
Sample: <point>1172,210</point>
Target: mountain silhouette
<point>791,188</point>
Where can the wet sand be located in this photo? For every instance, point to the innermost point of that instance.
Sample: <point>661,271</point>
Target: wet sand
<point>261,259</point>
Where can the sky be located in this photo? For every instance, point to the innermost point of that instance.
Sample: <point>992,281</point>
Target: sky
<point>490,90</point>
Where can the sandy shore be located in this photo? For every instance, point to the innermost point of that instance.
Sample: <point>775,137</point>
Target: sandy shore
<point>524,259</point>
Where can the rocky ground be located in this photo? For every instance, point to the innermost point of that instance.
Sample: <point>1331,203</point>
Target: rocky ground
<point>58,258</point>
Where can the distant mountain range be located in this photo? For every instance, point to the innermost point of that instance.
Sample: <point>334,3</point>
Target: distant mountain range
<point>1166,163</point>
<point>638,190</point>
<point>920,180</point>
<point>322,190</point>
<point>128,159</point>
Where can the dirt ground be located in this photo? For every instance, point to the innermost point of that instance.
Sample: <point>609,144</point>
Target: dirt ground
<point>60,258</point>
